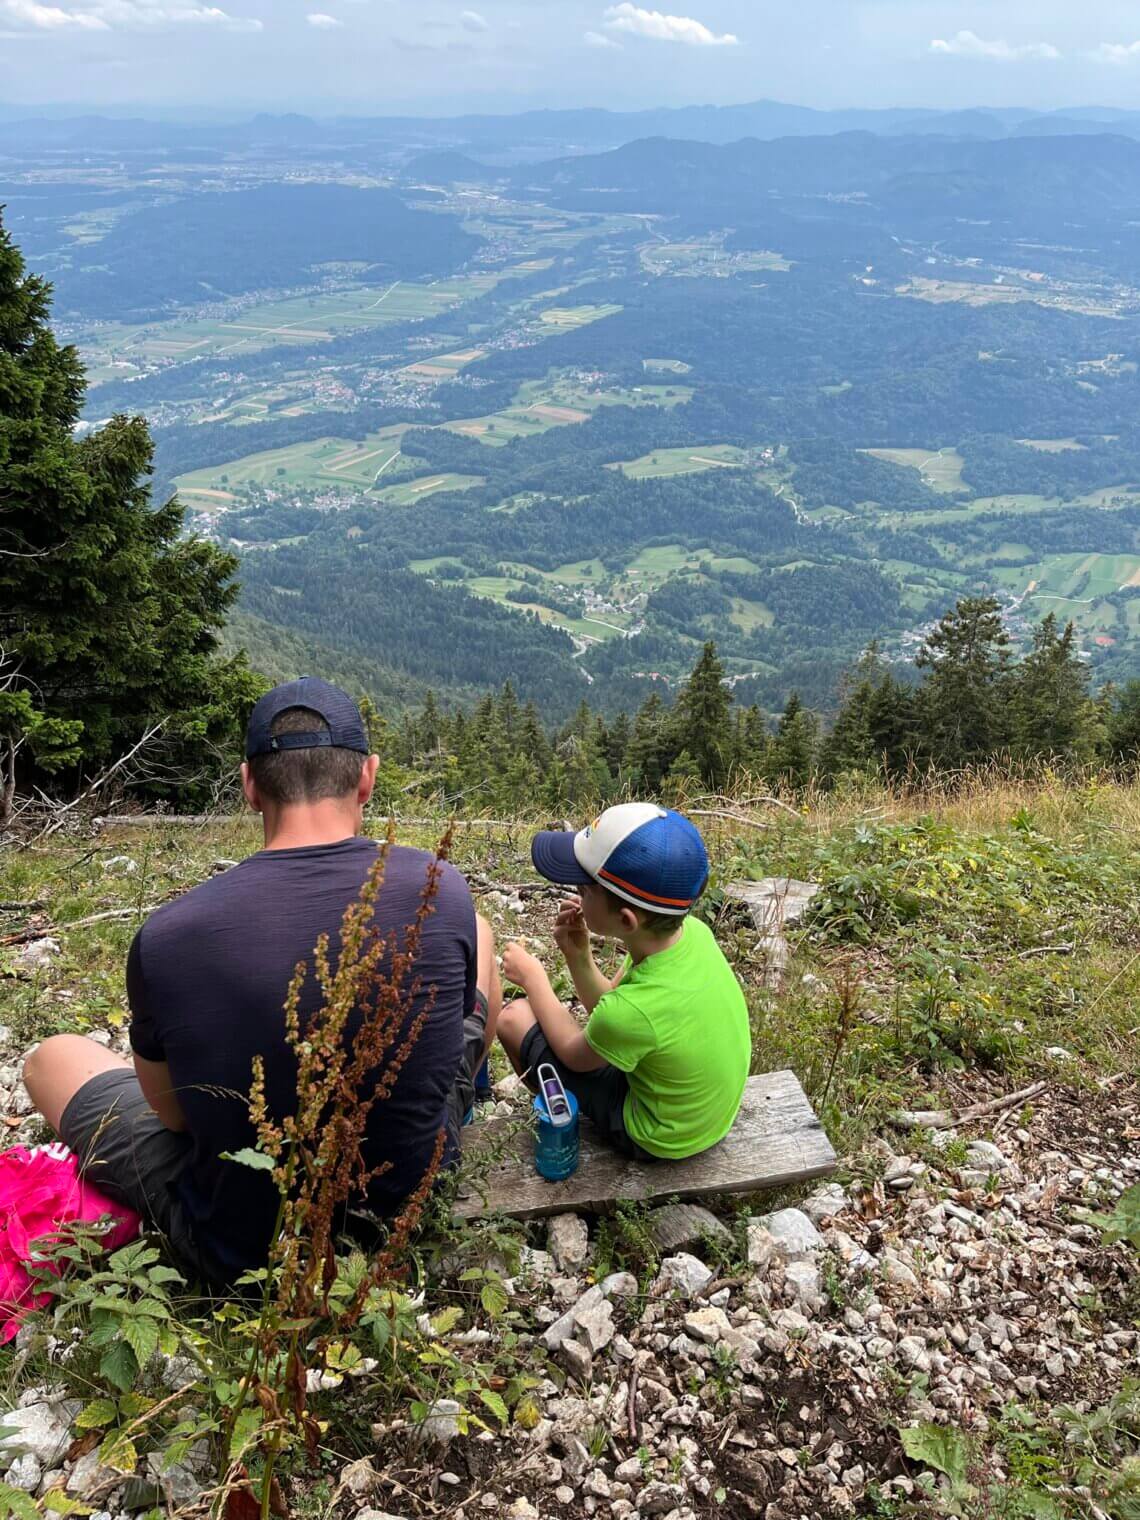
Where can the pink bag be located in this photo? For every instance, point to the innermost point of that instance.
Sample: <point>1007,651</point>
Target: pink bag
<point>41,1193</point>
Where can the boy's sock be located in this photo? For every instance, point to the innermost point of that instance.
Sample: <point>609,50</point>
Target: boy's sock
<point>483,1082</point>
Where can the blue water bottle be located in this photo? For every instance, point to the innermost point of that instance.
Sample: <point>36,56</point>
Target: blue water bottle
<point>556,1132</point>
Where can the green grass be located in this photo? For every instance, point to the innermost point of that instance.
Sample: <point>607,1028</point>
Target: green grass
<point>321,462</point>
<point>687,461</point>
<point>408,492</point>
<point>540,405</point>
<point>300,320</point>
<point>570,317</point>
<point>941,470</point>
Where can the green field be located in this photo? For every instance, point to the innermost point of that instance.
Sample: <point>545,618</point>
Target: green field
<point>117,351</point>
<point>665,366</point>
<point>569,317</point>
<point>321,462</point>
<point>408,492</point>
<point>942,471</point>
<point>543,404</point>
<point>687,461</point>
<point>1051,445</point>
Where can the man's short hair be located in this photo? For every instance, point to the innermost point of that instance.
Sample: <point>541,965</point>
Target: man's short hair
<point>290,776</point>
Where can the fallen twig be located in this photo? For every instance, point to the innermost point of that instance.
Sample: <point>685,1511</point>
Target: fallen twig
<point>752,823</point>
<point>1024,955</point>
<point>631,1405</point>
<point>23,936</point>
<point>56,822</point>
<point>942,1118</point>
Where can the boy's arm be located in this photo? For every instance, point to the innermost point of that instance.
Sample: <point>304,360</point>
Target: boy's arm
<point>573,939</point>
<point>558,1024</point>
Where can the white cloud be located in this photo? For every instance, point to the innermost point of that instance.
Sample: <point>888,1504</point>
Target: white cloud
<point>124,15</point>
<point>323,22</point>
<point>970,45</point>
<point>26,14</point>
<point>600,40</point>
<point>1117,52</point>
<point>642,23</point>
<point>471,21</point>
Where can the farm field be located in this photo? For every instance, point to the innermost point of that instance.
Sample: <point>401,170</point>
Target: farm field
<point>116,351</point>
<point>941,470</point>
<point>687,461</point>
<point>569,317</point>
<point>322,462</point>
<point>542,404</point>
<point>407,492</point>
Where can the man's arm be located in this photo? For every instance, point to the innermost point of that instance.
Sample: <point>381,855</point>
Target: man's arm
<point>151,1069</point>
<point>158,1090</point>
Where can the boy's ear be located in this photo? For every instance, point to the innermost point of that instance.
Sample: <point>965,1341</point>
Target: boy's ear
<point>629,920</point>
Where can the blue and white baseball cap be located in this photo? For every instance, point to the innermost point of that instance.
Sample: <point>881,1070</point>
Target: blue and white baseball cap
<point>646,854</point>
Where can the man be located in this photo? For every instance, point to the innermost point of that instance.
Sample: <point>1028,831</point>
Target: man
<point>207,976</point>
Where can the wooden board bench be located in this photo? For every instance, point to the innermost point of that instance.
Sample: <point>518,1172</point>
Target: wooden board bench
<point>776,1141</point>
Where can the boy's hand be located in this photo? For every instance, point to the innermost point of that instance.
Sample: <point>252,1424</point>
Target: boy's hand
<point>521,967</point>
<point>570,932</point>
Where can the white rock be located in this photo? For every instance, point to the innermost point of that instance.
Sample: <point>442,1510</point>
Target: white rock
<point>897,1272</point>
<point>914,1353</point>
<point>619,1285</point>
<point>576,1358</point>
<point>376,1514</point>
<point>825,1203</point>
<point>119,865</point>
<point>25,1472</point>
<point>37,954</point>
<point>628,1471</point>
<point>522,1509</point>
<point>791,1322</point>
<point>442,1420</point>
<point>595,1326</point>
<point>985,1154</point>
<point>803,1285</point>
<point>568,1240</point>
<point>536,1264</point>
<point>790,1234</point>
<point>41,1430</point>
<point>683,1274</point>
<point>563,1328</point>
<point>708,1325</point>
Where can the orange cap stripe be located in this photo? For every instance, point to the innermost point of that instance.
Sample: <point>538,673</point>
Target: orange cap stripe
<point>627,886</point>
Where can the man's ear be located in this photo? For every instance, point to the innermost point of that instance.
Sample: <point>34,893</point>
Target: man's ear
<point>249,788</point>
<point>367,779</point>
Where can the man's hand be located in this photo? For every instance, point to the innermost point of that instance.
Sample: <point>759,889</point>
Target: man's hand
<point>570,932</point>
<point>522,968</point>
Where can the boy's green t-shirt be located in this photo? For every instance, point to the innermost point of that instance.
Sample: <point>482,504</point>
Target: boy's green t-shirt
<point>677,1025</point>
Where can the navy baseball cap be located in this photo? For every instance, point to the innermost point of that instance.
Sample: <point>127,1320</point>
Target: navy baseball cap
<point>345,725</point>
<point>650,856</point>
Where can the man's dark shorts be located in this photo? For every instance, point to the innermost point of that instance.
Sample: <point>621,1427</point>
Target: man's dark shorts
<point>127,1151</point>
<point>601,1094</point>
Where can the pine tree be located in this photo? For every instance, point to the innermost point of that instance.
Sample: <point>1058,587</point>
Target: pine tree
<point>874,729</point>
<point>704,728</point>
<point>648,756</point>
<point>965,699</point>
<point>109,618</point>
<point>791,759</point>
<point>1053,712</point>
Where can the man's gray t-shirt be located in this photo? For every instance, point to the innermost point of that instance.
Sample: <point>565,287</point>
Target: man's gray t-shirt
<point>207,977</point>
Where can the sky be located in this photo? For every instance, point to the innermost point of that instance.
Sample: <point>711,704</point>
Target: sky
<point>380,57</point>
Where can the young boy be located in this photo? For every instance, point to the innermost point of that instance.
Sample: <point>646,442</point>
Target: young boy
<point>661,1065</point>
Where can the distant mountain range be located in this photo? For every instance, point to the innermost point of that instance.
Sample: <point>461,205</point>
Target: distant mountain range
<point>539,134</point>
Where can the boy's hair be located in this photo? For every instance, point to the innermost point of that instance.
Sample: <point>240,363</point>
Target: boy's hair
<point>652,923</point>
<point>305,775</point>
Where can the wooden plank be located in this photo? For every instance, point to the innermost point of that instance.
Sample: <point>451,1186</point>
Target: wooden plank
<point>776,1141</point>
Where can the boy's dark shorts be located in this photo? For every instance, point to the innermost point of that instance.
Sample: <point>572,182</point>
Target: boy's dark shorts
<point>601,1094</point>
<point>126,1150</point>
